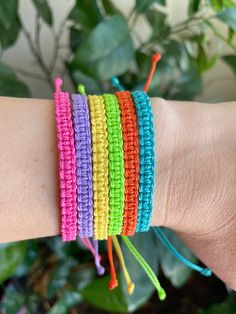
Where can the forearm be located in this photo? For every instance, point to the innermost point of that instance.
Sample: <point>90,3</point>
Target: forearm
<point>29,190</point>
<point>29,186</point>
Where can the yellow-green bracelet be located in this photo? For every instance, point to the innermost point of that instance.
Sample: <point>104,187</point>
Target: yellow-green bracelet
<point>116,164</point>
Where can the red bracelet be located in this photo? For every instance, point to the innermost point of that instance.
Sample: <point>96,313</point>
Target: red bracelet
<point>131,161</point>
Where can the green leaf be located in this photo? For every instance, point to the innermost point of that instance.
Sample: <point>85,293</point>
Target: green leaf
<point>59,276</point>
<point>203,62</point>
<point>109,7</point>
<point>218,5</point>
<point>31,254</point>
<point>11,255</point>
<point>228,16</point>
<point>157,21</point>
<point>75,38</point>
<point>177,54</point>
<point>13,300</point>
<point>231,34</point>
<point>8,13</point>
<point>231,61</point>
<point>44,10</point>
<point>68,300</point>
<point>87,14</point>
<point>98,294</point>
<point>173,269</point>
<point>141,5</point>
<point>227,307</point>
<point>189,84</point>
<point>193,6</point>
<point>107,51</point>
<point>9,36</point>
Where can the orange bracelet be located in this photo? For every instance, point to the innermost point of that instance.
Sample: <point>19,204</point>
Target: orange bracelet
<point>131,161</point>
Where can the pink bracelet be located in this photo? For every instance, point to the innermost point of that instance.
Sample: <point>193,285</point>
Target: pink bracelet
<point>67,162</point>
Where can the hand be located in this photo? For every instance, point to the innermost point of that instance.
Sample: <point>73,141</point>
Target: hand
<point>195,191</point>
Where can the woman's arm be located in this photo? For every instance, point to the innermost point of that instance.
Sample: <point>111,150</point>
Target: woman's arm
<point>195,190</point>
<point>29,190</point>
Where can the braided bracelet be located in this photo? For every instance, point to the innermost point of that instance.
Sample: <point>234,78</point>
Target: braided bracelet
<point>84,165</point>
<point>67,164</point>
<point>131,161</point>
<point>100,167</point>
<point>116,164</point>
<point>146,159</point>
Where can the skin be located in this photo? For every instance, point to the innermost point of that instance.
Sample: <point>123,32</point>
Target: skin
<point>195,184</point>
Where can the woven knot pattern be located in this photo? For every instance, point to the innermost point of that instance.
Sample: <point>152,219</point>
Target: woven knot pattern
<point>67,166</point>
<point>146,159</point>
<point>131,161</point>
<point>84,165</point>
<point>116,164</point>
<point>100,167</point>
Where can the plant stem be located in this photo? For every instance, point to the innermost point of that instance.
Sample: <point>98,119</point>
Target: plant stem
<point>37,56</point>
<point>29,74</point>
<point>57,39</point>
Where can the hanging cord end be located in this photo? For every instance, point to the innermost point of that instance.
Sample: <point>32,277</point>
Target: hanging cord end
<point>57,84</point>
<point>116,83</point>
<point>130,288</point>
<point>162,294</point>
<point>155,58</point>
<point>206,272</point>
<point>113,284</point>
<point>113,281</point>
<point>97,259</point>
<point>100,270</point>
<point>81,89</point>
<point>130,284</point>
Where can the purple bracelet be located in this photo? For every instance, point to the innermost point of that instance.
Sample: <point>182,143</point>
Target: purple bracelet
<point>84,165</point>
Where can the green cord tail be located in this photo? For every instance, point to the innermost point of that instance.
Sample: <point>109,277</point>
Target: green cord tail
<point>146,268</point>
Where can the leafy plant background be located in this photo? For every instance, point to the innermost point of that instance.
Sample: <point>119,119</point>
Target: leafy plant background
<point>46,276</point>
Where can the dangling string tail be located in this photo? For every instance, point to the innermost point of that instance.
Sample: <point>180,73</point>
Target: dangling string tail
<point>116,83</point>
<point>113,282</point>
<point>57,84</point>
<point>166,242</point>
<point>97,259</point>
<point>81,89</point>
<point>94,252</point>
<point>130,284</point>
<point>155,58</point>
<point>146,268</point>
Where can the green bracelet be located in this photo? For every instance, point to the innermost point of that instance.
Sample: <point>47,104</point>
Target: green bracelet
<point>116,164</point>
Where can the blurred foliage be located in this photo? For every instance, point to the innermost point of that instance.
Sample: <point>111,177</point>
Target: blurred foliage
<point>45,275</point>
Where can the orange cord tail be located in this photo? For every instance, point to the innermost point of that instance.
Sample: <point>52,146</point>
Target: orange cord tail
<point>113,282</point>
<point>155,58</point>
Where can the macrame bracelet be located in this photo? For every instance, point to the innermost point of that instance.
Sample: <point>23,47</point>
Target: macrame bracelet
<point>116,164</point>
<point>100,167</point>
<point>67,164</point>
<point>146,159</point>
<point>84,165</point>
<point>131,161</point>
<point>111,154</point>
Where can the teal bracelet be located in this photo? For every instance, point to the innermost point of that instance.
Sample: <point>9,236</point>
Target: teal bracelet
<point>146,159</point>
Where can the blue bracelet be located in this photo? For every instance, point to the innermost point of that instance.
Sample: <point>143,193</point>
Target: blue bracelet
<point>146,159</point>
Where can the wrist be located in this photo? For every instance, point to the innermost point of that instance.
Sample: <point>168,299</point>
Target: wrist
<point>187,164</point>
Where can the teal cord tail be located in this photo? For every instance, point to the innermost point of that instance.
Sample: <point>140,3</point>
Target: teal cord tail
<point>166,242</point>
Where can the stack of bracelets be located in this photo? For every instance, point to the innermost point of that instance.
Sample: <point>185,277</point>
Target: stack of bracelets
<point>107,170</point>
